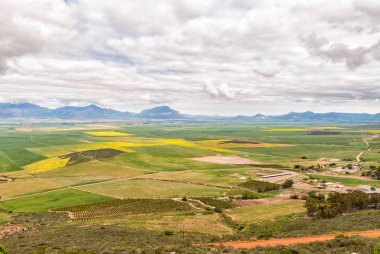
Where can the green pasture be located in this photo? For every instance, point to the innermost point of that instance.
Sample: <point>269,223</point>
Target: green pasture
<point>50,200</point>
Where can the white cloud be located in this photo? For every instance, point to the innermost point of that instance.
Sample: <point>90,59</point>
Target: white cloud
<point>222,90</point>
<point>131,54</point>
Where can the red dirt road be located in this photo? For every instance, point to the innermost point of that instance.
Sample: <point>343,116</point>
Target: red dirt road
<point>298,240</point>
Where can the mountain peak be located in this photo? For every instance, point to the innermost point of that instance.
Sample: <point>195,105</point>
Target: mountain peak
<point>161,112</point>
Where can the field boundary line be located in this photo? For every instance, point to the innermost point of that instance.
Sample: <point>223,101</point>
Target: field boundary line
<point>92,192</point>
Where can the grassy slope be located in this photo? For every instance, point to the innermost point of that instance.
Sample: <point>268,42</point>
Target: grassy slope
<point>265,212</point>
<point>348,181</point>
<point>50,200</point>
<point>151,189</point>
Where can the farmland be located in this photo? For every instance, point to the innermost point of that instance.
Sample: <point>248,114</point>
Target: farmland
<point>181,181</point>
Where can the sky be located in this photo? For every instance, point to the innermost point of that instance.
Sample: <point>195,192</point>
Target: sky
<point>230,57</point>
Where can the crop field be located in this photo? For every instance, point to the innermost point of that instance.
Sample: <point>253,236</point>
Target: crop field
<point>107,133</point>
<point>50,200</point>
<point>163,177</point>
<point>136,188</point>
<point>122,207</point>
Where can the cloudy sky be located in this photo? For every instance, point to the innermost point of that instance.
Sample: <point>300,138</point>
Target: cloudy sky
<point>198,56</point>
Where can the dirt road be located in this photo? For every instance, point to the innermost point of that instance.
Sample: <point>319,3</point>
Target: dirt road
<point>368,147</point>
<point>298,240</point>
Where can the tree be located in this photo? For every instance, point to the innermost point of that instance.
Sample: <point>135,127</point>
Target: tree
<point>360,200</point>
<point>311,206</point>
<point>287,184</point>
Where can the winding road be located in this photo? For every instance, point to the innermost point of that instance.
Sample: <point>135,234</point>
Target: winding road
<point>368,147</point>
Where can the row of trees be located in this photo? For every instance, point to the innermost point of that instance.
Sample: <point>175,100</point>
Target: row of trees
<point>319,206</point>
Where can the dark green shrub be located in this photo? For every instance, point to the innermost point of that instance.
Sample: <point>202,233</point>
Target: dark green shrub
<point>3,250</point>
<point>287,184</point>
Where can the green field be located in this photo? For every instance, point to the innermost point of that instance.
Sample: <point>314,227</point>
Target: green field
<point>261,213</point>
<point>155,163</point>
<point>150,189</point>
<point>50,200</point>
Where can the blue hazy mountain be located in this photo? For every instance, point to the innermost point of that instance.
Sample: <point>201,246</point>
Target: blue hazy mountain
<point>91,112</point>
<point>163,112</point>
<point>29,110</point>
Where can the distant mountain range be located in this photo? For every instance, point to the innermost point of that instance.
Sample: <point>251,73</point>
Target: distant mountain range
<point>28,110</point>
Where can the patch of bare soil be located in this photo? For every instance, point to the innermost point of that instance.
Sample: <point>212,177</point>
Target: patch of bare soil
<point>9,230</point>
<point>231,160</point>
<point>298,240</point>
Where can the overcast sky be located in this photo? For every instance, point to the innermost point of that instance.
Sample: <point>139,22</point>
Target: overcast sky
<point>223,57</point>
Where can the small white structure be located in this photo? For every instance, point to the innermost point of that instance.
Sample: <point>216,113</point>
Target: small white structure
<point>275,175</point>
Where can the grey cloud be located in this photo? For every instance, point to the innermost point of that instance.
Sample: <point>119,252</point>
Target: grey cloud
<point>17,36</point>
<point>339,52</point>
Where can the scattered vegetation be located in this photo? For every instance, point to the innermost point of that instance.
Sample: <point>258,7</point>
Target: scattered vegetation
<point>298,225</point>
<point>84,156</point>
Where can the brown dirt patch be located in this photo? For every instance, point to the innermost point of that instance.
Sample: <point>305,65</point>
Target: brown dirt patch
<point>9,230</point>
<point>298,240</point>
<point>231,160</point>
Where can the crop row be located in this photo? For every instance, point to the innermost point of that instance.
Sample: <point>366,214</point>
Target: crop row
<point>122,207</point>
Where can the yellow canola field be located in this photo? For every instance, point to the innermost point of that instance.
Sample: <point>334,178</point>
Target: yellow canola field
<point>46,165</point>
<point>373,131</point>
<point>107,134</point>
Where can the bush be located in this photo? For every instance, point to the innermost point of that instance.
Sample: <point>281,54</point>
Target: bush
<point>294,196</point>
<point>287,184</point>
<point>168,232</point>
<point>3,250</point>
<point>218,210</point>
<point>184,199</point>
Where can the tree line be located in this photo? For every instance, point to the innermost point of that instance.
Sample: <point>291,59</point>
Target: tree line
<point>320,206</point>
